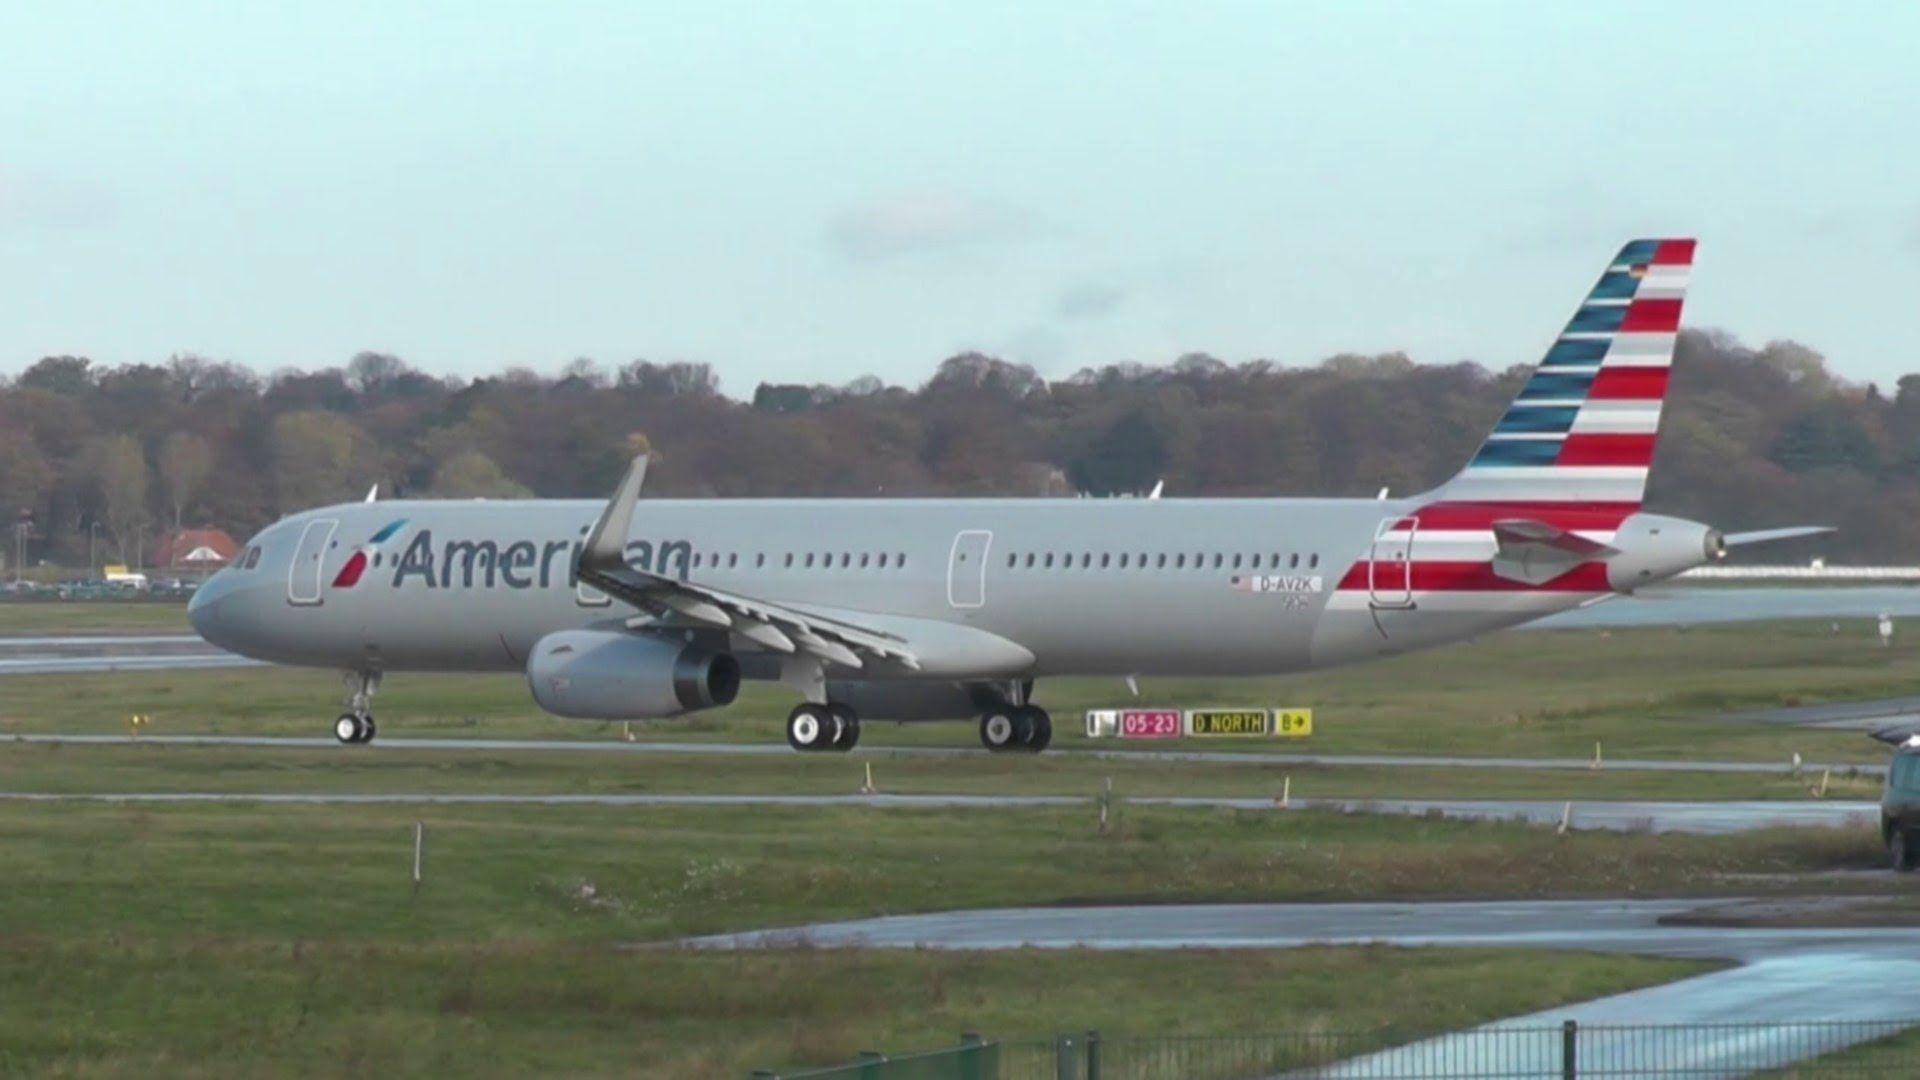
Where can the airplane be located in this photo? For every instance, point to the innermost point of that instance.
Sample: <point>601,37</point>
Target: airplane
<point>922,609</point>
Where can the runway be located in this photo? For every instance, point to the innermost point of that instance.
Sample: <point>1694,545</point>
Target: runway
<point>1704,818</point>
<point>1784,977</point>
<point>1254,758</point>
<point>85,653</point>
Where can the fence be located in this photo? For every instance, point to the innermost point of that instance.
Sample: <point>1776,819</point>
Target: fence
<point>1841,1050</point>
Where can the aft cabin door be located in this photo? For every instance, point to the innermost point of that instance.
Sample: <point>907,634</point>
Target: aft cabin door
<point>1390,563</point>
<point>967,569</point>
<point>309,559</point>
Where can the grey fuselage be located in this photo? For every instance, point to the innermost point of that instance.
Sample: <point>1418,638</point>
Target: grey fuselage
<point>992,588</point>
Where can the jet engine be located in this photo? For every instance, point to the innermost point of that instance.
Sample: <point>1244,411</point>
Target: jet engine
<point>1654,547</point>
<point>614,675</point>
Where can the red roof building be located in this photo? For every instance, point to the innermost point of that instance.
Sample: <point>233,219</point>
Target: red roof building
<point>195,549</point>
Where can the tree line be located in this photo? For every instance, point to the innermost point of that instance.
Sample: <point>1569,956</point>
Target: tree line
<point>88,452</point>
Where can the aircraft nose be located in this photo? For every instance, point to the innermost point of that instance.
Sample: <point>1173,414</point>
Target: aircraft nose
<point>203,610</point>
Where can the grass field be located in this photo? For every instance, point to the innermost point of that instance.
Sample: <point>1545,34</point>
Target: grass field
<point>530,1008</point>
<point>18,617</point>
<point>1644,693</point>
<point>141,939</point>
<point>289,939</point>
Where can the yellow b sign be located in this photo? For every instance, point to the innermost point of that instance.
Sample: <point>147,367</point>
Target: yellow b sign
<point>1293,723</point>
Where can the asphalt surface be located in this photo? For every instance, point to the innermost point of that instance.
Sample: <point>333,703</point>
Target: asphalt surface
<point>1782,977</point>
<point>80,653</point>
<point>1659,817</point>
<point>1222,757</point>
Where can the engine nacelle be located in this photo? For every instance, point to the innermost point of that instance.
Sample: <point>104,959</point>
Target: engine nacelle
<point>611,675</point>
<point>1654,547</point>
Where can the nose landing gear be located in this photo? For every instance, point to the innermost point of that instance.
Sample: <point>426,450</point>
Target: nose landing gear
<point>355,727</point>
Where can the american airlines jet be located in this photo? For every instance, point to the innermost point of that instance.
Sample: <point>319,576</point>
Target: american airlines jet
<point>952,608</point>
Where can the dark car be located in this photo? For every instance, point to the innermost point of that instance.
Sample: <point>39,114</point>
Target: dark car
<point>1900,801</point>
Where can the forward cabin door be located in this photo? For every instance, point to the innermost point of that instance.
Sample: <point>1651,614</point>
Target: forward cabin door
<point>967,569</point>
<point>309,559</point>
<point>1390,563</point>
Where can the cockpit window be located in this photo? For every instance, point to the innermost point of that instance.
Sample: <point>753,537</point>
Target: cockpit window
<point>253,558</point>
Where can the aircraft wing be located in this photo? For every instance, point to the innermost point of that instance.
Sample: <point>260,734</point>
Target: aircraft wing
<point>775,627</point>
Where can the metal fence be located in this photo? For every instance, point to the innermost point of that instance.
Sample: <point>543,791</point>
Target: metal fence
<point>1841,1050</point>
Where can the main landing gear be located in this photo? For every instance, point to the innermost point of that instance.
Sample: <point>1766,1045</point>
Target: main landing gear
<point>355,727</point>
<point>1016,727</point>
<point>832,726</point>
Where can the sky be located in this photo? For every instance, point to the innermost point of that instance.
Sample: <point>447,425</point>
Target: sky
<point>810,192</point>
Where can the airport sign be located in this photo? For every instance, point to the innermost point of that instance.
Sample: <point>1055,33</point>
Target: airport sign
<point>1227,722</point>
<point>1150,723</point>
<point>1293,723</point>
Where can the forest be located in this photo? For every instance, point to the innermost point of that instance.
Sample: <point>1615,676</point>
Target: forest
<point>116,455</point>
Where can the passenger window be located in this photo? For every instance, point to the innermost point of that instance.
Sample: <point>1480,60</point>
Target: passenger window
<point>1217,560</point>
<point>1105,559</point>
<point>1236,560</point>
<point>760,559</point>
<point>900,558</point>
<point>1160,560</point>
<point>809,560</point>
<point>1029,559</point>
<point>1293,561</point>
<point>1313,561</point>
<point>1086,559</point>
<point>1123,560</point>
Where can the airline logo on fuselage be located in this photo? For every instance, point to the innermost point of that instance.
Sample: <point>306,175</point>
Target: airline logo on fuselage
<point>513,564</point>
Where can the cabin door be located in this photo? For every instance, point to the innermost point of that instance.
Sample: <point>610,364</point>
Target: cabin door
<point>967,569</point>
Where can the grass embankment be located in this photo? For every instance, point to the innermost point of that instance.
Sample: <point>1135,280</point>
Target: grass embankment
<point>158,767</point>
<point>41,617</point>
<point>1642,693</point>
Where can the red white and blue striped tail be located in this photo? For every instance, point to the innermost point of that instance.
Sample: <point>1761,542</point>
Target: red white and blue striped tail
<point>1582,430</point>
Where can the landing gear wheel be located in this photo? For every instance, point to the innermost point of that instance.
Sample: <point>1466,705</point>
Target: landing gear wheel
<point>1003,729</point>
<point>353,730</point>
<point>1039,728</point>
<point>849,722</point>
<point>811,727</point>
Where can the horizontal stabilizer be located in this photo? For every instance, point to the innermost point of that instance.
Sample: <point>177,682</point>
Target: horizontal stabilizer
<point>1534,552</point>
<point>1767,536</point>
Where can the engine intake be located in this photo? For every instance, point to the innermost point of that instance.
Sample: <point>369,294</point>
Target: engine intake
<point>613,675</point>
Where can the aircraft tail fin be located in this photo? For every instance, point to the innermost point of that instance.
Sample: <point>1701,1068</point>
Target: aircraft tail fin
<point>1582,429</point>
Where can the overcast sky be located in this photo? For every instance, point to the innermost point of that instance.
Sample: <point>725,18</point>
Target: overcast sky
<point>813,191</point>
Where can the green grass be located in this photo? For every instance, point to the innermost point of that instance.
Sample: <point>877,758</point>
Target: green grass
<point>1645,693</point>
<point>158,767</point>
<point>332,872</point>
<point>42,617</point>
<point>524,1008</point>
<point>289,939</point>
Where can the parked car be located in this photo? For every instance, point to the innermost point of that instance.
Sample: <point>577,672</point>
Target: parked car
<point>1900,799</point>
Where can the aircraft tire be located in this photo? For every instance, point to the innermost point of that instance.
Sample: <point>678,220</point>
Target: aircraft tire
<point>1900,850</point>
<point>849,730</point>
<point>1039,728</point>
<point>811,727</point>
<point>347,729</point>
<point>1000,729</point>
